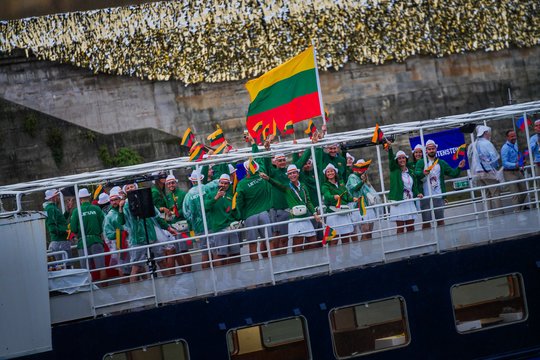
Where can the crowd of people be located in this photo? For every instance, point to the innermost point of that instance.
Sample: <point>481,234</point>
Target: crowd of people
<point>278,201</point>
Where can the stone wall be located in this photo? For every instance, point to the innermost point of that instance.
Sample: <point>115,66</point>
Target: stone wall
<point>356,96</point>
<point>26,155</point>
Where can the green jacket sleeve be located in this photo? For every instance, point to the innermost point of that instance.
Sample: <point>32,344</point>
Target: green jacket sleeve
<point>391,161</point>
<point>277,185</point>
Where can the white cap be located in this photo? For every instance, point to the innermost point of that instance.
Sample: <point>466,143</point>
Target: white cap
<point>418,146</point>
<point>115,192</point>
<point>481,129</point>
<point>291,168</point>
<point>332,145</point>
<point>350,156</point>
<point>330,166</point>
<point>49,194</point>
<point>400,153</point>
<point>83,193</point>
<point>170,178</point>
<point>225,177</point>
<point>232,168</point>
<point>360,161</point>
<point>195,176</point>
<point>103,199</point>
<point>279,155</point>
<point>246,165</point>
<point>431,142</point>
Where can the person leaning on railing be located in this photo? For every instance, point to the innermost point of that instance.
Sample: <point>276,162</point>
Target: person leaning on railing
<point>403,186</point>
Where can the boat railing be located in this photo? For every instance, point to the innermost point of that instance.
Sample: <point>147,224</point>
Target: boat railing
<point>470,214</point>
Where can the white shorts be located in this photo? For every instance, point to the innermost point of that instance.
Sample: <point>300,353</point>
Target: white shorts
<point>341,223</point>
<point>302,228</point>
<point>403,212</point>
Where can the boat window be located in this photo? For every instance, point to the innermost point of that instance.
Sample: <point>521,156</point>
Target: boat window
<point>488,303</point>
<point>174,350</point>
<point>368,327</point>
<point>281,339</point>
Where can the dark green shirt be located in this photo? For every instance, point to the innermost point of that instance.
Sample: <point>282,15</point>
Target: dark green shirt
<point>56,223</point>
<point>295,195</point>
<point>92,218</point>
<point>253,196</point>
<point>219,212</point>
<point>170,198</point>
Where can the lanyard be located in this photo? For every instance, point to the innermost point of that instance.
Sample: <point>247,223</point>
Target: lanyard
<point>297,194</point>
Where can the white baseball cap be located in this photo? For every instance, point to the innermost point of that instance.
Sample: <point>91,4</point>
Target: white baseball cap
<point>481,129</point>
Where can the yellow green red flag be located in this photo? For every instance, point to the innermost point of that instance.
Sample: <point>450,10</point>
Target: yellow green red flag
<point>287,92</point>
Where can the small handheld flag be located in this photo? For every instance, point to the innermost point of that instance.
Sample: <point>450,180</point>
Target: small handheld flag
<point>329,234</point>
<point>233,205</point>
<point>522,124</point>
<point>216,137</point>
<point>98,191</point>
<point>522,158</point>
<point>362,206</point>
<point>188,139</point>
<point>197,153</point>
<point>338,203</point>
<point>251,166</point>
<point>289,128</point>
<point>378,135</point>
<point>221,148</point>
<point>310,128</point>
<point>460,151</point>
<point>257,127</point>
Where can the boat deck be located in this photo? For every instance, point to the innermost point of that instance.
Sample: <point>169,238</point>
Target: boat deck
<point>460,231</point>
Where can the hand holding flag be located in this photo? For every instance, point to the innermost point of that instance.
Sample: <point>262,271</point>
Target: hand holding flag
<point>460,151</point>
<point>329,234</point>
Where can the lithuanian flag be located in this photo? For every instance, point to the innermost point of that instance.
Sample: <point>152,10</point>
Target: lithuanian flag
<point>329,234</point>
<point>188,139</point>
<point>287,92</point>
<point>311,128</point>
<point>460,151</point>
<point>289,128</point>
<point>216,137</point>
<point>197,153</point>
<point>221,148</point>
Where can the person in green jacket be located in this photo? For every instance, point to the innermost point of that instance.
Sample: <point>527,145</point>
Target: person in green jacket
<point>253,200</point>
<point>175,198</point>
<point>299,202</point>
<point>113,228</point>
<point>332,156</point>
<point>137,236</point>
<point>335,197</point>
<point>56,224</point>
<point>92,220</point>
<point>432,175</point>
<point>222,217</point>
<point>403,186</point>
<point>158,195</point>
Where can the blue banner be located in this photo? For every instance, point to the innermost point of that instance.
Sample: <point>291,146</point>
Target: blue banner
<point>448,142</point>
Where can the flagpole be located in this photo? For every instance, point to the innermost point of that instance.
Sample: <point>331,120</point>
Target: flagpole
<point>321,104</point>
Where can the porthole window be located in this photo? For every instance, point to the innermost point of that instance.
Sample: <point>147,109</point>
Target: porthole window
<point>174,350</point>
<point>280,339</point>
<point>369,327</point>
<point>488,303</point>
